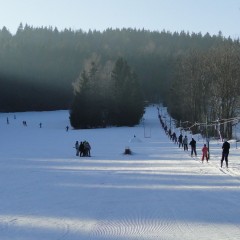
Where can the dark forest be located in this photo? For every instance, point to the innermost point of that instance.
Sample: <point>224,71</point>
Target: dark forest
<point>194,75</point>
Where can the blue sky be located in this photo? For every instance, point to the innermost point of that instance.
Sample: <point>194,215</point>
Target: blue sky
<point>174,15</point>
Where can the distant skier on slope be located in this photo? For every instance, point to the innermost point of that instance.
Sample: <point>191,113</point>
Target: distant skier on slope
<point>225,152</point>
<point>87,148</point>
<point>193,147</point>
<point>205,153</point>
<point>81,149</point>
<point>185,143</point>
<point>180,140</point>
<point>77,148</point>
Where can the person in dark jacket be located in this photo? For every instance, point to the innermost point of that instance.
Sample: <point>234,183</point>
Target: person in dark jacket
<point>87,148</point>
<point>81,149</point>
<point>225,152</point>
<point>193,147</point>
<point>180,140</point>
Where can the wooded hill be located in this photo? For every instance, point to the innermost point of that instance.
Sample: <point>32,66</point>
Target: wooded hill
<point>195,75</point>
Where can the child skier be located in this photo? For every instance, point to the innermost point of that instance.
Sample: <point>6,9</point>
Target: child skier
<point>205,153</point>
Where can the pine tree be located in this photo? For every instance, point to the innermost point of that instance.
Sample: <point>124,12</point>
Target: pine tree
<point>128,102</point>
<point>87,110</point>
<point>99,102</point>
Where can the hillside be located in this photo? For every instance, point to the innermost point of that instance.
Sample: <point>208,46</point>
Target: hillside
<point>159,192</point>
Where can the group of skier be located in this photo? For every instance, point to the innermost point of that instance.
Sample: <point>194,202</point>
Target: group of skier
<point>183,142</point>
<point>83,149</point>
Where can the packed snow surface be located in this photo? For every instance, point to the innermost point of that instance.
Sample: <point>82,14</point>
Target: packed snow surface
<point>159,192</point>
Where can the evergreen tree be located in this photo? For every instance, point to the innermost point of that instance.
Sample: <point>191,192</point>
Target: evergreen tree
<point>87,108</point>
<point>128,97</point>
<point>98,103</point>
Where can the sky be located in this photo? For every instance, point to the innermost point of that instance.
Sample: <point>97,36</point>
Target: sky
<point>195,16</point>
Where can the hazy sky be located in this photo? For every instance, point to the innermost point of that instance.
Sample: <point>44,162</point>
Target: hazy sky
<point>174,15</point>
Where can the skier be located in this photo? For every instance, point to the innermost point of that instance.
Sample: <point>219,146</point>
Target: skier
<point>81,149</point>
<point>185,143</point>
<point>170,133</point>
<point>77,148</point>
<point>193,147</point>
<point>87,148</point>
<point>174,137</point>
<point>205,153</point>
<point>180,140</point>
<point>225,152</point>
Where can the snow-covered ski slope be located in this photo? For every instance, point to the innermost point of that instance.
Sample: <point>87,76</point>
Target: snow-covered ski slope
<point>159,192</point>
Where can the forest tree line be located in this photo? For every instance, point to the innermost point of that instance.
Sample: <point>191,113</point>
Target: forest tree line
<point>206,88</point>
<point>196,76</point>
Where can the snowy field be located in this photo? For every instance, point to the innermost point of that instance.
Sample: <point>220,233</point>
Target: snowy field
<point>159,192</point>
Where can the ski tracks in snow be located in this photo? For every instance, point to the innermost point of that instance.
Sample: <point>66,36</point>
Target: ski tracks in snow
<point>147,225</point>
<point>204,170</point>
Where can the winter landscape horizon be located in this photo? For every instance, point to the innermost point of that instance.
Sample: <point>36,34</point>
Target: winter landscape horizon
<point>159,192</point>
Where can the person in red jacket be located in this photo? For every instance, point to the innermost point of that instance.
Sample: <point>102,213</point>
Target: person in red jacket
<point>205,152</point>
